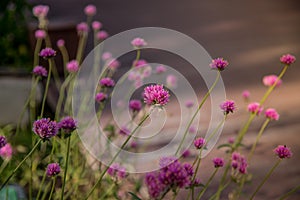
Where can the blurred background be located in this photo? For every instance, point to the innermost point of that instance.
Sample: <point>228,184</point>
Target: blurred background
<point>250,34</point>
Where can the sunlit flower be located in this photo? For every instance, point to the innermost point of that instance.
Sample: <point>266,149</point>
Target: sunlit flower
<point>156,94</point>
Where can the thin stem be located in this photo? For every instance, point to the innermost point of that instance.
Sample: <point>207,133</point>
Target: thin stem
<point>61,96</point>
<point>46,89</point>
<point>36,51</point>
<point>265,179</point>
<point>20,164</point>
<point>4,164</point>
<point>295,189</point>
<point>258,138</point>
<point>116,155</point>
<point>52,189</point>
<point>207,184</point>
<point>107,191</point>
<point>195,114</point>
<point>46,190</point>
<point>41,185</point>
<point>81,47</point>
<point>66,168</point>
<point>65,57</point>
<point>221,187</point>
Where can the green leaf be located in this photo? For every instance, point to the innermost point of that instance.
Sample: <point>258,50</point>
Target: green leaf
<point>134,196</point>
<point>224,145</point>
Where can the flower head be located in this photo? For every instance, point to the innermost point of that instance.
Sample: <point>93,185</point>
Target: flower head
<point>228,106</point>
<point>139,63</point>
<point>107,82</point>
<point>272,114</point>
<point>192,129</point>
<point>271,80</point>
<point>287,59</point>
<point>135,105</point>
<point>45,128</point>
<point>160,69</point>
<point>102,35</point>
<point>53,169</point>
<point>219,64</point>
<point>40,71</point>
<point>218,162</point>
<point>171,81</point>
<point>40,10</point>
<point>47,53</point>
<point>199,142</point>
<point>117,170</point>
<point>124,131</point>
<point>231,140</point>
<point>154,185</point>
<point>189,104</point>
<point>68,124</point>
<point>156,94</point>
<point>282,151</point>
<point>82,28</point>
<point>186,153</point>
<point>138,42</point>
<point>113,64</point>
<point>60,43</point>
<point>100,97</point>
<point>255,108</point>
<point>106,56</point>
<point>40,34</point>
<point>3,141</point>
<point>72,66</point>
<point>246,94</point>
<point>90,10</point>
<point>6,151</point>
<point>96,25</point>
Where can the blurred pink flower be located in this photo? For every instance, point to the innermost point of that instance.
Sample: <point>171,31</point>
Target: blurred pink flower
<point>90,10</point>
<point>272,114</point>
<point>270,80</point>
<point>255,107</point>
<point>102,35</point>
<point>40,34</point>
<point>287,59</point>
<point>40,10</point>
<point>72,66</point>
<point>138,42</point>
<point>6,151</point>
<point>171,81</point>
<point>96,25</point>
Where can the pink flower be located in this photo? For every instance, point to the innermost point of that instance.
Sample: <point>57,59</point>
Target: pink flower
<point>40,10</point>
<point>270,80</point>
<point>287,59</point>
<point>72,66</point>
<point>199,142</point>
<point>40,71</point>
<point>6,151</point>
<point>53,169</point>
<point>96,25</point>
<point>138,42</point>
<point>107,82</point>
<point>186,153</point>
<point>106,56</point>
<point>219,64</point>
<point>90,10</point>
<point>156,94</point>
<point>272,114</point>
<point>189,104</point>
<point>160,69</point>
<point>231,140</point>
<point>82,28</point>
<point>47,53</point>
<point>100,97</point>
<point>139,63</point>
<point>102,35</point>
<point>228,106</point>
<point>135,105</point>
<point>40,34</point>
<point>218,162</point>
<point>117,170</point>
<point>171,81</point>
<point>113,64</point>
<point>60,43</point>
<point>282,151</point>
<point>255,108</point>
<point>192,129</point>
<point>246,94</point>
<point>124,131</point>
<point>147,71</point>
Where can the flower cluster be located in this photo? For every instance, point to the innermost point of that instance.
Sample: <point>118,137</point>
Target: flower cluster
<point>156,94</point>
<point>116,170</point>
<point>219,64</point>
<point>272,114</point>
<point>107,82</point>
<point>218,162</point>
<point>255,108</point>
<point>228,106</point>
<point>172,175</point>
<point>239,162</point>
<point>40,71</point>
<point>287,59</point>
<point>45,128</point>
<point>101,97</point>
<point>135,105</point>
<point>53,169</point>
<point>47,53</point>
<point>199,142</point>
<point>68,124</point>
<point>282,151</point>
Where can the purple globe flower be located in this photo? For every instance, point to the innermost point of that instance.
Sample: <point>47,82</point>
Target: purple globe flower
<point>82,28</point>
<point>47,53</point>
<point>255,107</point>
<point>199,142</point>
<point>287,59</point>
<point>53,169</point>
<point>135,105</point>
<point>40,71</point>
<point>45,128</point>
<point>154,186</point>
<point>117,170</point>
<point>68,124</point>
<point>3,141</point>
<point>138,42</point>
<point>218,162</point>
<point>107,82</point>
<point>228,106</point>
<point>219,64</point>
<point>272,114</point>
<point>72,66</point>
<point>156,94</point>
<point>282,151</point>
<point>101,97</point>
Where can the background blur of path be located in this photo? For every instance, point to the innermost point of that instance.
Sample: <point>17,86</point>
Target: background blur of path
<point>251,34</point>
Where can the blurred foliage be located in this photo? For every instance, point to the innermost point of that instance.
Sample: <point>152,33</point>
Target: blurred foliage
<point>14,39</point>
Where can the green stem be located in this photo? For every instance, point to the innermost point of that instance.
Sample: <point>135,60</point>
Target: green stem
<point>116,155</point>
<point>46,191</point>
<point>4,164</point>
<point>66,168</point>
<point>265,179</point>
<point>41,185</point>
<point>258,138</point>
<point>20,164</point>
<point>36,52</point>
<point>46,88</point>
<point>207,184</point>
<point>52,189</point>
<point>61,96</point>
<point>295,189</point>
<point>198,109</point>
<point>107,191</point>
<point>81,47</point>
<point>65,57</point>
<point>221,187</point>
